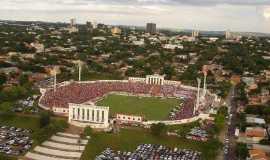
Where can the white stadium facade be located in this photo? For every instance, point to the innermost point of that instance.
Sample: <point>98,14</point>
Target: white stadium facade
<point>76,99</point>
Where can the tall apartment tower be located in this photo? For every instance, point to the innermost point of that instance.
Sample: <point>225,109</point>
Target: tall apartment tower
<point>72,22</point>
<point>151,28</point>
<point>195,33</point>
<point>228,34</point>
<point>89,26</point>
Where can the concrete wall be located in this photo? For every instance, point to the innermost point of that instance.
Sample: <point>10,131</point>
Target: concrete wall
<point>183,121</point>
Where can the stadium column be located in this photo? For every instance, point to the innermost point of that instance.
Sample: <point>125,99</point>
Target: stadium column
<point>81,114</point>
<point>95,115</point>
<point>77,113</point>
<point>100,116</point>
<point>106,117</point>
<point>85,114</point>
<point>90,114</point>
<point>70,113</point>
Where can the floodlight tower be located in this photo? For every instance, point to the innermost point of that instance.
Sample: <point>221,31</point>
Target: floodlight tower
<point>54,72</point>
<point>80,69</point>
<point>205,70</point>
<point>198,96</point>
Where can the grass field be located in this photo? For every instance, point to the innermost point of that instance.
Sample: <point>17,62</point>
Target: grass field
<point>28,122</point>
<point>129,139</point>
<point>151,108</point>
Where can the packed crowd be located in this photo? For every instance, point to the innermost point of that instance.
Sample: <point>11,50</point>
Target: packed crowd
<point>80,93</point>
<point>184,111</point>
<point>150,152</point>
<point>14,141</point>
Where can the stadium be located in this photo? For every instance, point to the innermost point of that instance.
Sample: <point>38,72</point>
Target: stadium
<point>78,101</point>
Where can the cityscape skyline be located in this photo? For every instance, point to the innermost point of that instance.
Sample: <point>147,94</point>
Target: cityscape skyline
<point>239,15</point>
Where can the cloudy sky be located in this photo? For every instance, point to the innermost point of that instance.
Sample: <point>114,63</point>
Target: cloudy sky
<point>235,15</point>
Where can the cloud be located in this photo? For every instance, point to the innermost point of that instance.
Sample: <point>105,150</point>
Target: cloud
<point>137,2</point>
<point>247,15</point>
<point>266,13</point>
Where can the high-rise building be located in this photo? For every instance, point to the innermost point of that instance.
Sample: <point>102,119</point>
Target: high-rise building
<point>89,26</point>
<point>151,28</point>
<point>116,30</point>
<point>94,23</point>
<point>228,35</point>
<point>72,22</point>
<point>72,28</point>
<point>195,34</point>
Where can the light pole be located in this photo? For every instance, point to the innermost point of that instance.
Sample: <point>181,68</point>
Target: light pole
<point>54,72</point>
<point>80,69</point>
<point>198,96</point>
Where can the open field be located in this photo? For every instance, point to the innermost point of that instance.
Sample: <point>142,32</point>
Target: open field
<point>27,122</point>
<point>151,108</point>
<point>129,139</point>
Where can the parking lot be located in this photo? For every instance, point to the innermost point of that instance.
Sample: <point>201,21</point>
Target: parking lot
<point>14,141</point>
<point>26,105</point>
<point>150,152</point>
<point>197,134</point>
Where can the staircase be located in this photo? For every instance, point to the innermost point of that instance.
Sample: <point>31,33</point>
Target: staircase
<point>61,146</point>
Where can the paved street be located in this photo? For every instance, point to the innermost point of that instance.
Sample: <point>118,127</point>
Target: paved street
<point>230,141</point>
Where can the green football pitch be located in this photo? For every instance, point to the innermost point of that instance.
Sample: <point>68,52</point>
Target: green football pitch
<point>151,108</point>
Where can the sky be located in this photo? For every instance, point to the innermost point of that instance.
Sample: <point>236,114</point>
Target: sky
<point>215,15</point>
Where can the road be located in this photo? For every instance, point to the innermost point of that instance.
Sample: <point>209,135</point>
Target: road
<point>230,141</point>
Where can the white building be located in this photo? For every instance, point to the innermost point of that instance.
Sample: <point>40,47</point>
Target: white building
<point>72,22</point>
<point>100,38</point>
<point>130,119</point>
<point>173,46</point>
<point>38,46</point>
<point>213,39</point>
<point>228,35</point>
<point>195,34</point>
<point>72,29</point>
<point>155,79</point>
<point>267,74</point>
<point>116,30</point>
<point>138,43</point>
<point>184,57</point>
<point>89,115</point>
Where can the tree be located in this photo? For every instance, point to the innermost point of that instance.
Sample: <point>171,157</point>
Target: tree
<point>158,129</point>
<point>88,131</point>
<point>223,110</point>
<point>242,122</point>
<point>224,88</point>
<point>3,79</point>
<point>45,119</point>
<point>241,151</point>
<point>168,71</point>
<point>3,157</point>
<point>23,79</point>
<point>241,93</point>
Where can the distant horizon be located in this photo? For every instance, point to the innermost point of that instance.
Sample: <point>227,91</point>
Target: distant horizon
<point>140,26</point>
<point>212,15</point>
